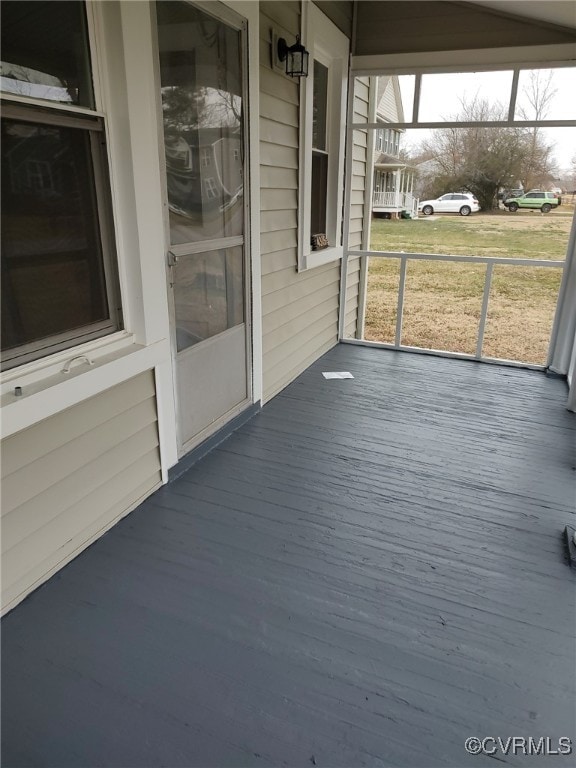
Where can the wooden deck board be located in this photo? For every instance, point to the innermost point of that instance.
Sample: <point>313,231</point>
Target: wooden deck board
<point>365,574</point>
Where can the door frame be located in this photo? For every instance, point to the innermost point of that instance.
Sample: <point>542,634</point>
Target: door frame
<point>242,15</point>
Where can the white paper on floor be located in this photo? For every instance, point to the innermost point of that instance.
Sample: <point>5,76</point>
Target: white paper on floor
<point>337,375</point>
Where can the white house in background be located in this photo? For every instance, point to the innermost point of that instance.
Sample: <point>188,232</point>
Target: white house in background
<point>393,185</point>
<point>163,176</point>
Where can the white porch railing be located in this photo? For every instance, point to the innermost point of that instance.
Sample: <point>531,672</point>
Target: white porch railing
<point>401,201</point>
<point>490,263</point>
<point>386,199</point>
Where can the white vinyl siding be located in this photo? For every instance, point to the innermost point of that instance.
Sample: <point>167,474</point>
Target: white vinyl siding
<point>388,103</point>
<point>353,283</point>
<point>68,478</point>
<point>299,310</point>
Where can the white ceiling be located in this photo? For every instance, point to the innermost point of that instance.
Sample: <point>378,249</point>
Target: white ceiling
<point>561,12</point>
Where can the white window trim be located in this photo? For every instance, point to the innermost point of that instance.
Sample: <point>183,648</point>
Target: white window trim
<point>38,373</point>
<point>330,47</point>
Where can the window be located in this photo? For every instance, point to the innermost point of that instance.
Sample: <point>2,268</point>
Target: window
<point>210,188</point>
<point>208,294</point>
<point>45,52</point>
<point>202,106</point>
<point>319,151</point>
<point>323,122</point>
<point>59,284</point>
<point>205,161</point>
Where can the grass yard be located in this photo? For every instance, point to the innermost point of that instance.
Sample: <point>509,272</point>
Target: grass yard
<point>443,300</point>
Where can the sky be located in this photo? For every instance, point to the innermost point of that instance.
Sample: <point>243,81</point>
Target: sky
<point>442,95</point>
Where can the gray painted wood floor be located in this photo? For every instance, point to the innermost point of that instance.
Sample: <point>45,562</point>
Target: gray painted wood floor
<point>367,573</point>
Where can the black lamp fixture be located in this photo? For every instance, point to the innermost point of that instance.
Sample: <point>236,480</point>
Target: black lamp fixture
<point>295,56</point>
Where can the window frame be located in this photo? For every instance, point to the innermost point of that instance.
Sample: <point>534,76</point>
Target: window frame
<point>45,112</point>
<point>329,46</point>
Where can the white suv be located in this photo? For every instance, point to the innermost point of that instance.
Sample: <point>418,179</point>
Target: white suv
<point>454,202</point>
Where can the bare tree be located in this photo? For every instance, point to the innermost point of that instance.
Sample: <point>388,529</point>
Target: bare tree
<point>568,178</point>
<point>484,159</point>
<point>477,159</point>
<point>538,93</point>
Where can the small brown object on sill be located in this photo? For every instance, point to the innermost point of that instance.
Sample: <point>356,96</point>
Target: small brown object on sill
<point>319,241</point>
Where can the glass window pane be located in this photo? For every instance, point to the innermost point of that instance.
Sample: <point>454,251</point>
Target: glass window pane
<point>201,86</point>
<point>320,100</point>
<point>45,53</point>
<point>407,85</point>
<point>465,96</point>
<point>318,193</point>
<point>208,294</point>
<point>52,265</point>
<point>546,94</point>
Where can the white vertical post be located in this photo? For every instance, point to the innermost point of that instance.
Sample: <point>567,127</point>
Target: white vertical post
<point>416,104</point>
<point>564,328</point>
<point>513,95</point>
<point>347,206</point>
<point>370,172</point>
<point>484,312</point>
<point>400,306</point>
<point>369,200</point>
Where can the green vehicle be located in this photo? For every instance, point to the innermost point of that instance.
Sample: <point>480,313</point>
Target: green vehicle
<point>544,201</point>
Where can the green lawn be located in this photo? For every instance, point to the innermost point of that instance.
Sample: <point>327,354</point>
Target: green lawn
<point>442,301</point>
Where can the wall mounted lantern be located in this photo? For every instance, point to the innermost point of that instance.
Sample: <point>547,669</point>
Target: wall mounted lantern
<point>295,56</point>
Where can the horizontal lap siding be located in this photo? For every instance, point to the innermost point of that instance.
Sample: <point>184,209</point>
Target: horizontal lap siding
<point>69,477</point>
<point>361,99</point>
<point>300,310</point>
<point>277,304</point>
<point>358,206</point>
<point>352,293</point>
<point>388,105</point>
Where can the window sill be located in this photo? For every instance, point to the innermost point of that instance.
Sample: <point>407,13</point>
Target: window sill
<point>49,389</point>
<point>33,373</point>
<point>320,257</point>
